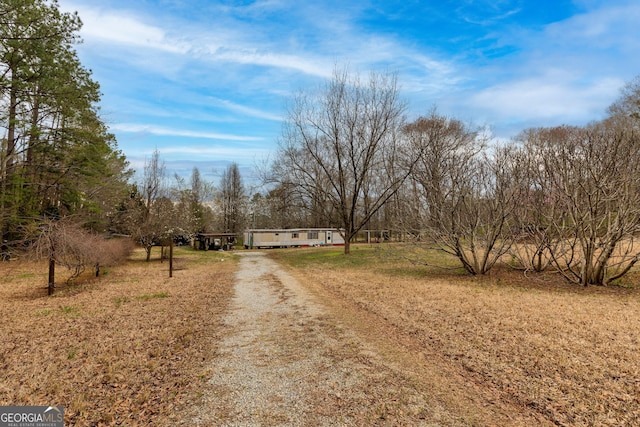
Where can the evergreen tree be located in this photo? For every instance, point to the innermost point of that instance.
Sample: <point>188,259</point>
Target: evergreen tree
<point>57,157</point>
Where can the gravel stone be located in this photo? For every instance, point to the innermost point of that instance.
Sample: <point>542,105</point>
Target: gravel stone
<point>285,362</point>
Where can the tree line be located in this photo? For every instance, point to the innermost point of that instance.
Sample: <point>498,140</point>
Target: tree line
<point>157,211</point>
<point>563,199</point>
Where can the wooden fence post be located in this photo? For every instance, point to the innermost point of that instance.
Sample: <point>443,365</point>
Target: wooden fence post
<point>171,257</point>
<point>52,272</point>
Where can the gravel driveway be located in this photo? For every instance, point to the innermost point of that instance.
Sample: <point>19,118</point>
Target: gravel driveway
<point>284,361</point>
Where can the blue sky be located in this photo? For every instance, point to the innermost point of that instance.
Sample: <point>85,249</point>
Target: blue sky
<point>207,82</point>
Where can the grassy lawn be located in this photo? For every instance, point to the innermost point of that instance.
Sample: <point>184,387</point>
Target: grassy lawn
<point>566,353</point>
<point>128,348</point>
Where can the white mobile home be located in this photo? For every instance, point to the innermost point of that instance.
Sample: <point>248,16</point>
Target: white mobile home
<point>292,237</point>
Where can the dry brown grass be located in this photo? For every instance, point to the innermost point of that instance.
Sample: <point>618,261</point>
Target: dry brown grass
<point>527,348</point>
<point>134,347</point>
<point>128,348</point>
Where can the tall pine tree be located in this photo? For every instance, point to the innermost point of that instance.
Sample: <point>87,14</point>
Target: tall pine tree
<point>57,157</point>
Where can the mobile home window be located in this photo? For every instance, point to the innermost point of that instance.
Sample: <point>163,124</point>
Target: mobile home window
<point>312,235</point>
<point>294,235</point>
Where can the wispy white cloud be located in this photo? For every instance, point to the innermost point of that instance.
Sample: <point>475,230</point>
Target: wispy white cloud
<point>249,111</point>
<point>163,131</point>
<point>255,9</point>
<point>122,28</point>
<point>197,155</point>
<point>334,39</point>
<point>221,152</point>
<point>194,111</point>
<point>317,67</point>
<point>224,43</point>
<point>565,73</point>
<point>608,25</point>
<point>237,63</point>
<point>546,98</point>
<point>484,12</point>
<point>425,76</point>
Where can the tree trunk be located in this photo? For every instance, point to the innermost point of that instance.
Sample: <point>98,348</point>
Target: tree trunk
<point>52,273</point>
<point>8,185</point>
<point>347,246</point>
<point>11,129</point>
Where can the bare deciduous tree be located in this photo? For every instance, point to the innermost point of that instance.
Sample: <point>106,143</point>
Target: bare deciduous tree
<point>460,197</point>
<point>192,215</point>
<point>341,149</point>
<point>592,179</point>
<point>148,215</point>
<point>627,106</point>
<point>447,150</point>
<point>537,241</point>
<point>151,227</point>
<point>232,200</point>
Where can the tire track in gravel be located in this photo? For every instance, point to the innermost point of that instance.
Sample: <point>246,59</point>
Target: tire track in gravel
<point>284,361</point>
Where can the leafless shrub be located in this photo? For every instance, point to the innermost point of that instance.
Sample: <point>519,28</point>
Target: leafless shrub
<point>589,185</point>
<point>112,251</point>
<point>68,244</point>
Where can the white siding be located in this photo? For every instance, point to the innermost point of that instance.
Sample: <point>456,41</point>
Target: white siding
<point>292,237</point>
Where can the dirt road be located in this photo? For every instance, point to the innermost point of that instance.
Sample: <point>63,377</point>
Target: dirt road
<point>286,361</point>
